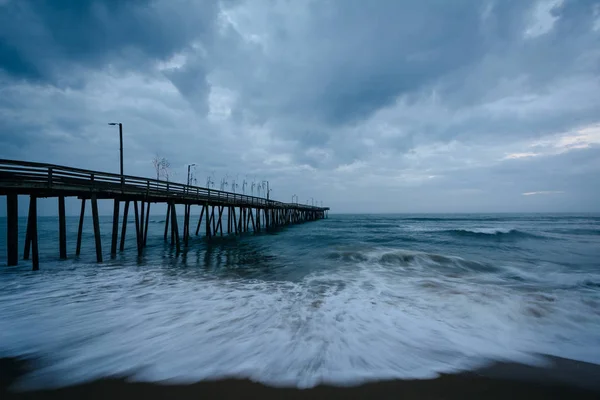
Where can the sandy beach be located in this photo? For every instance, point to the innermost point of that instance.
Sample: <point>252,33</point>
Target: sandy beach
<point>560,380</point>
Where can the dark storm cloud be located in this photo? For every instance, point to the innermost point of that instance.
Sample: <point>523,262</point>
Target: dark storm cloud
<point>45,40</point>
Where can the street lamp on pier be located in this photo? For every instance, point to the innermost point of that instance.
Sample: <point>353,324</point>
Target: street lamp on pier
<point>121,145</point>
<point>188,174</point>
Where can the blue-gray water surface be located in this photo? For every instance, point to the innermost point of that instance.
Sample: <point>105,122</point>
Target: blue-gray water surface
<point>341,300</point>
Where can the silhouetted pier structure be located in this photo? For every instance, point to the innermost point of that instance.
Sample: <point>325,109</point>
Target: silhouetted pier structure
<point>244,213</point>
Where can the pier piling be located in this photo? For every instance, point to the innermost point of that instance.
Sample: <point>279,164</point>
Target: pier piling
<point>12,226</point>
<point>124,227</point>
<point>115,229</point>
<point>96,219</point>
<point>80,229</point>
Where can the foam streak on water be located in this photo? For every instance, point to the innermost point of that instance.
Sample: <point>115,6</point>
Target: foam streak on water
<point>344,300</point>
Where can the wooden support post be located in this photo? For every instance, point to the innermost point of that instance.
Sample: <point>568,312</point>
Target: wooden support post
<point>185,210</point>
<point>208,218</point>
<point>96,219</point>
<point>228,220</point>
<point>220,223</point>
<point>138,229</point>
<point>167,220</point>
<point>33,234</point>
<point>27,247</point>
<point>258,219</point>
<point>124,227</point>
<point>147,221</point>
<point>80,229</point>
<point>62,228</point>
<point>251,217</point>
<point>175,228</point>
<point>267,218</point>
<point>186,223</point>
<point>200,220</point>
<point>115,229</point>
<point>212,217</point>
<point>235,221</point>
<point>142,223</point>
<point>12,229</point>
<point>245,219</point>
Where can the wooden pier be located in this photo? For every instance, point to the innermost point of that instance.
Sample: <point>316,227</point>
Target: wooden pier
<point>244,213</point>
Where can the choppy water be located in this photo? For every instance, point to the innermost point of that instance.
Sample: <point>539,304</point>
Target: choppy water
<point>341,300</point>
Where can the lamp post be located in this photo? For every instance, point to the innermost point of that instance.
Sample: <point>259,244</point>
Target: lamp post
<point>188,174</point>
<point>121,143</point>
<point>267,189</point>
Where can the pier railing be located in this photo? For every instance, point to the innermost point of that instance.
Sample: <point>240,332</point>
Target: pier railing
<point>42,177</point>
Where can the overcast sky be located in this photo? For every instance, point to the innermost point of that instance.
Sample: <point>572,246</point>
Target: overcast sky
<point>368,106</point>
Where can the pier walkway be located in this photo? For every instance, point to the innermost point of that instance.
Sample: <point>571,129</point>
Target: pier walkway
<point>241,212</point>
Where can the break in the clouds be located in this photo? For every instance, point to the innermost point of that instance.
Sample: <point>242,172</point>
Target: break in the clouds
<point>380,106</point>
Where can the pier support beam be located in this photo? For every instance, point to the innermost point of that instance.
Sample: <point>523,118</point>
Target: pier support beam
<point>234,222</point>
<point>167,221</point>
<point>220,224</point>
<point>208,218</point>
<point>32,233</point>
<point>200,220</point>
<point>80,229</point>
<point>27,247</point>
<point>186,225</point>
<point>228,220</point>
<point>251,218</point>
<point>124,227</point>
<point>115,229</point>
<point>174,228</point>
<point>212,217</point>
<point>62,228</point>
<point>147,221</point>
<point>142,223</point>
<point>12,228</point>
<point>97,237</point>
<point>138,228</point>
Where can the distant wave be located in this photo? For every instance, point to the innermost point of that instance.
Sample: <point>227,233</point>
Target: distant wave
<point>379,225</point>
<point>491,233</point>
<point>451,219</point>
<point>579,231</point>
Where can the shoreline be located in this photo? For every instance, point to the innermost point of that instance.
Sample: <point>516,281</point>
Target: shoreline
<point>562,378</point>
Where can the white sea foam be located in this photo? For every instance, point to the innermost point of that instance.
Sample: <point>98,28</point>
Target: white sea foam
<point>365,322</point>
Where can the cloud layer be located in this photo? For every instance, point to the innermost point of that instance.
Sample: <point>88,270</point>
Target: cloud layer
<point>385,106</point>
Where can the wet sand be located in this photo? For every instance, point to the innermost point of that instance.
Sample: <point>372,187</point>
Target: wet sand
<point>562,379</point>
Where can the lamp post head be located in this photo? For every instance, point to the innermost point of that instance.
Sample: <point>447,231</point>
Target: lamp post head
<point>114,123</point>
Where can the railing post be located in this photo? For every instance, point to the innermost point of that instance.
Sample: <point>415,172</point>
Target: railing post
<point>92,179</point>
<point>148,187</point>
<point>49,177</point>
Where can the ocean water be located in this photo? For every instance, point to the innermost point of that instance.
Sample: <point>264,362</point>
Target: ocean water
<point>342,300</point>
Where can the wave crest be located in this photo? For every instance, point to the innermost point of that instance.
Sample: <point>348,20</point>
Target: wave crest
<point>491,233</point>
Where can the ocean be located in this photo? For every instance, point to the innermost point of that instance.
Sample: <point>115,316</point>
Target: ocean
<point>344,300</point>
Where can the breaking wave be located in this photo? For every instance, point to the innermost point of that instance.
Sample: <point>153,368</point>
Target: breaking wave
<point>492,233</point>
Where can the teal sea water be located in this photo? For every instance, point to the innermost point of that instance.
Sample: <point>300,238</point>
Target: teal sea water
<point>341,300</point>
